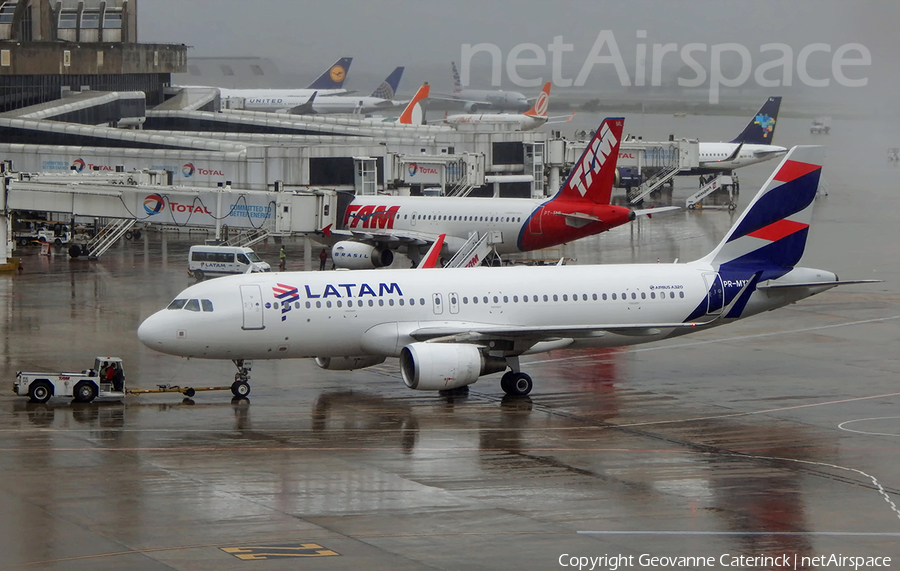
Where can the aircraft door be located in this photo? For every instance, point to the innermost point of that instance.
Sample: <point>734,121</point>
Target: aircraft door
<point>437,302</point>
<point>534,223</point>
<point>715,294</point>
<point>251,298</point>
<point>454,303</point>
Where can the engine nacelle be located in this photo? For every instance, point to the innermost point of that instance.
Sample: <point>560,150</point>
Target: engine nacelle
<point>443,366</point>
<point>471,107</point>
<point>358,256</point>
<point>348,363</point>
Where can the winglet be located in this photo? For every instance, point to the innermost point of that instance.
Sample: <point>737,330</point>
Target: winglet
<point>539,109</point>
<point>327,231</point>
<point>434,253</point>
<point>413,114</point>
<point>305,108</point>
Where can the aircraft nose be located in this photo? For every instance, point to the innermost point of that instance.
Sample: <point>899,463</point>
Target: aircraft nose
<point>151,332</point>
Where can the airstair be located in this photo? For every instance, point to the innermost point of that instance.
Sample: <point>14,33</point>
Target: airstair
<point>248,238</point>
<point>107,236</point>
<point>462,189</point>
<point>663,176</point>
<point>473,252</point>
<point>723,181</point>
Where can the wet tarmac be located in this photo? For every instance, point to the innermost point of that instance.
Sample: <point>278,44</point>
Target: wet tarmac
<point>779,435</point>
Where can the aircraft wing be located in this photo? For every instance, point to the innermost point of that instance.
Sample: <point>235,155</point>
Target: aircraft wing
<point>479,333</point>
<point>392,239</point>
<point>441,97</point>
<point>559,118</point>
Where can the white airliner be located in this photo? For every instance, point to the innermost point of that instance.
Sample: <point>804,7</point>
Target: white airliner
<point>374,226</point>
<point>382,98</point>
<point>753,145</point>
<point>475,99</point>
<point>531,119</point>
<point>451,326</point>
<point>331,82</point>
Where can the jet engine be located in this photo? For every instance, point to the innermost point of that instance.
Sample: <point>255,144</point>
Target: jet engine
<point>348,363</point>
<point>359,256</point>
<point>471,107</point>
<point>443,366</point>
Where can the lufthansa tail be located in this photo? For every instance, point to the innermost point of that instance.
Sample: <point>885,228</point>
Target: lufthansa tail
<point>334,77</point>
<point>761,128</point>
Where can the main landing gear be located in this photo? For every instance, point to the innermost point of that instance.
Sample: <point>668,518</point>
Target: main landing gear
<point>240,388</point>
<point>515,382</point>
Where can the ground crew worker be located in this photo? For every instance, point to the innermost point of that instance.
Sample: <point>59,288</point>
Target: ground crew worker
<point>323,257</point>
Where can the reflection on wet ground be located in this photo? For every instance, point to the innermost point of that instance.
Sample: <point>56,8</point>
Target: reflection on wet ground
<point>773,436</point>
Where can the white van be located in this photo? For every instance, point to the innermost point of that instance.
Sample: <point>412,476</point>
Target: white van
<point>212,261</point>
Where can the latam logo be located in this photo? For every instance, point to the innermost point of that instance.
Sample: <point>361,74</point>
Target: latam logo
<point>593,160</point>
<point>355,290</point>
<point>79,165</point>
<point>153,204</point>
<point>287,294</point>
<point>189,170</point>
<point>414,169</point>
<point>370,216</point>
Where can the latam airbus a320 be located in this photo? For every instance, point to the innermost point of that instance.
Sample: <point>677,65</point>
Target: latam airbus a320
<point>373,226</point>
<point>451,326</point>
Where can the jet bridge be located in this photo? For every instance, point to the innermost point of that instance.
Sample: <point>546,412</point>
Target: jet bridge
<point>149,198</point>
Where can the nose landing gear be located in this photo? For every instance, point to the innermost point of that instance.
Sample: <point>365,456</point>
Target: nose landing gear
<point>240,388</point>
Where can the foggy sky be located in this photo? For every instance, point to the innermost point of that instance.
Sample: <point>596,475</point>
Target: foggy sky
<point>303,36</point>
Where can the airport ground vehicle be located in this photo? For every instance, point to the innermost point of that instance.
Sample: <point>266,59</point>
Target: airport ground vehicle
<point>59,235</point>
<point>820,125</point>
<point>211,261</point>
<point>105,379</point>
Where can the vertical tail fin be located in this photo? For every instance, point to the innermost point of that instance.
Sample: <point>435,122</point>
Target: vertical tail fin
<point>539,109</point>
<point>413,114</point>
<point>594,174</point>
<point>388,88</point>
<point>334,77</point>
<point>457,84</point>
<point>771,233</point>
<point>761,128</point>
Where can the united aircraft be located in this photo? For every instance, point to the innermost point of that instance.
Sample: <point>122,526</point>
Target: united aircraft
<point>449,327</point>
<point>373,226</point>
<point>753,145</point>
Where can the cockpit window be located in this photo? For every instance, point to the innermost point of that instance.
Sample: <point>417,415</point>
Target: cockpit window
<point>192,305</point>
<point>206,305</point>
<point>177,304</point>
<point>254,257</point>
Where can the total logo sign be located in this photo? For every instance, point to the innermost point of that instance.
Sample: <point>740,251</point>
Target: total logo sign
<point>189,170</point>
<point>79,165</point>
<point>415,168</point>
<point>155,203</point>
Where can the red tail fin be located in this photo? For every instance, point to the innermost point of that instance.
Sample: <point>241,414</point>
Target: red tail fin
<point>539,109</point>
<point>413,115</point>
<point>594,174</point>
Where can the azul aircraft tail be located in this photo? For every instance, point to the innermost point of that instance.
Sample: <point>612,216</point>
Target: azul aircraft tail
<point>594,174</point>
<point>771,233</point>
<point>334,77</point>
<point>388,88</point>
<point>539,109</point>
<point>761,128</point>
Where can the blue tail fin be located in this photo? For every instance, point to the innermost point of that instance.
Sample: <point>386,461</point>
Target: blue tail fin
<point>334,77</point>
<point>761,128</point>
<point>388,88</point>
<point>771,233</point>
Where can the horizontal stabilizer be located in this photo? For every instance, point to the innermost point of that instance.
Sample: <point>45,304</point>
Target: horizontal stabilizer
<point>649,212</point>
<point>770,285</point>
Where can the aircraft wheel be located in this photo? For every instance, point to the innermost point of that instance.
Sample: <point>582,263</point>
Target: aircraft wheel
<point>506,380</point>
<point>129,235</point>
<point>240,389</point>
<point>58,242</point>
<point>23,241</point>
<point>732,206</point>
<point>74,251</point>
<point>85,391</point>
<point>520,384</point>
<point>40,391</point>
